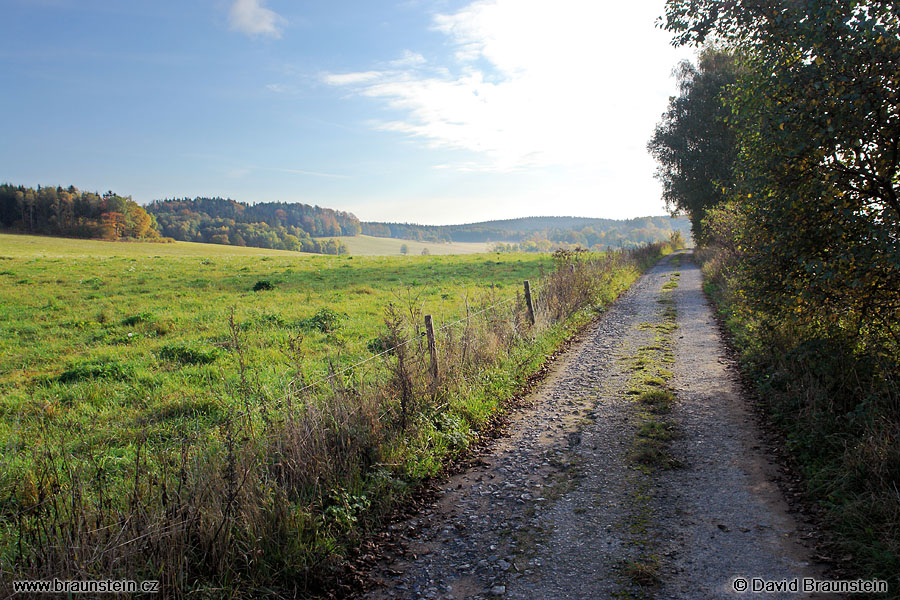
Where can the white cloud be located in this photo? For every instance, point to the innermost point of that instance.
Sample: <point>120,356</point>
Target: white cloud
<point>531,84</point>
<point>409,59</point>
<point>252,18</point>
<point>352,78</point>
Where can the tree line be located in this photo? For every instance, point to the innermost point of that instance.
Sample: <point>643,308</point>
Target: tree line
<point>278,225</point>
<point>782,147</point>
<point>591,239</point>
<point>539,234</point>
<point>70,212</point>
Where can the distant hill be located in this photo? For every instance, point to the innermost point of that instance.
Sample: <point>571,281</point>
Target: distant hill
<point>583,231</point>
<point>295,226</point>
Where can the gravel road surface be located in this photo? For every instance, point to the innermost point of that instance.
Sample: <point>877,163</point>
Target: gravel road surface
<point>559,507</point>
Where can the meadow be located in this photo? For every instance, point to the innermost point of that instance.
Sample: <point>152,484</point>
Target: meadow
<point>197,414</point>
<point>106,336</point>
<point>367,245</point>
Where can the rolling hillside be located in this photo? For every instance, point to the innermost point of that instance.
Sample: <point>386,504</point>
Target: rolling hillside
<point>581,231</point>
<point>16,245</point>
<point>367,245</point>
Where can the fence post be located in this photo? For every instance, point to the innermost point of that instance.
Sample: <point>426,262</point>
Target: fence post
<point>528,302</point>
<point>432,350</point>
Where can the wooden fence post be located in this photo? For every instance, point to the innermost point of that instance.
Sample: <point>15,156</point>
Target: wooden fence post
<point>528,302</point>
<point>432,350</point>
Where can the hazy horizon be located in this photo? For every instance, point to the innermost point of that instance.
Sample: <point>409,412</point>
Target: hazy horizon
<point>442,113</point>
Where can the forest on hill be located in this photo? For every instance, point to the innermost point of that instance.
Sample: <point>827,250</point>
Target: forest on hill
<point>541,233</point>
<point>278,225</point>
<point>70,212</point>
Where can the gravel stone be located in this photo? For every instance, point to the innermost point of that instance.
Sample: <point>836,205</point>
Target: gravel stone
<point>558,499</point>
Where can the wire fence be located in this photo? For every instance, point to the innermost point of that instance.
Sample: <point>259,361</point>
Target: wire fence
<point>568,287</point>
<point>278,402</point>
<point>406,341</point>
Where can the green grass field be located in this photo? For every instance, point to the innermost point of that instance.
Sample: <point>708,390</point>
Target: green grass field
<point>106,337</point>
<point>33,246</point>
<point>377,246</point>
<point>361,245</point>
<point>159,392</point>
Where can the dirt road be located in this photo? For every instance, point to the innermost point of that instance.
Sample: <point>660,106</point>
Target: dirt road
<point>607,487</point>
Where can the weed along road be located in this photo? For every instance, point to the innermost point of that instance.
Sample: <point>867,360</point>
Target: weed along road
<point>636,471</point>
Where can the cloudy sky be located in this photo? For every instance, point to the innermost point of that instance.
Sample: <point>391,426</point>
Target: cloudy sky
<point>432,112</point>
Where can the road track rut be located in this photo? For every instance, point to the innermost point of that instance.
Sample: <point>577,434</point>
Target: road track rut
<point>559,508</point>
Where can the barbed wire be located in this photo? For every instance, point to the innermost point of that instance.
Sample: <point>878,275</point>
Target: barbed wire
<point>279,400</point>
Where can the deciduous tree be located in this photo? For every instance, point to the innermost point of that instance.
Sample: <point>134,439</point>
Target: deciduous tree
<point>694,143</point>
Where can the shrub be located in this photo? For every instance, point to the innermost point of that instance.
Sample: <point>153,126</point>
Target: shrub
<point>95,370</point>
<point>143,317</point>
<point>188,355</point>
<point>263,284</point>
<point>831,388</point>
<point>325,320</point>
<point>378,345</point>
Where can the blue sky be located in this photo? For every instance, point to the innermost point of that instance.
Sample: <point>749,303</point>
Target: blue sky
<point>433,112</point>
